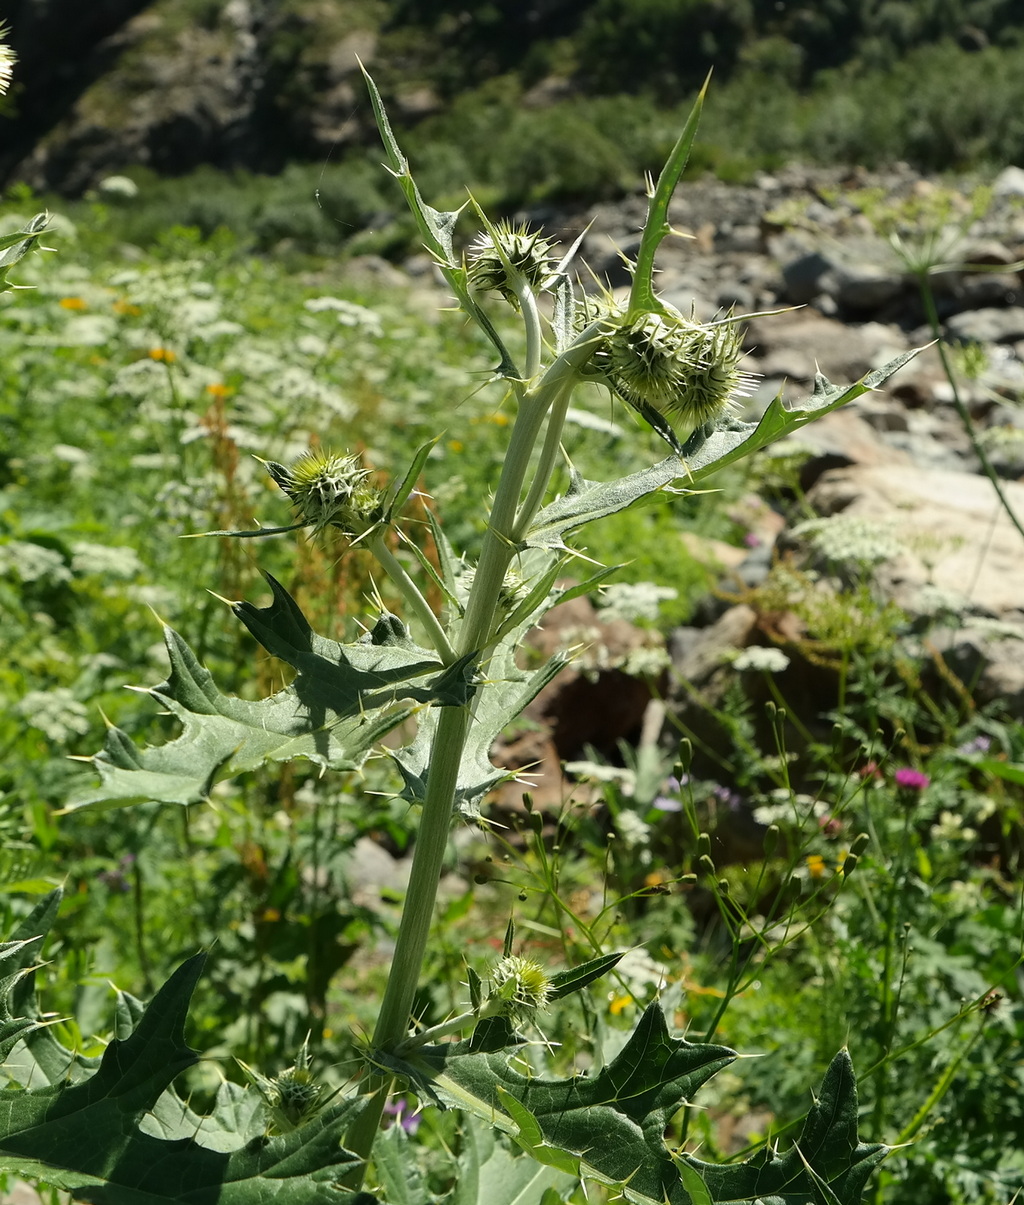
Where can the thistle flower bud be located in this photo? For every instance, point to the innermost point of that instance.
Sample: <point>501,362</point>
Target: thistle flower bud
<point>293,1096</point>
<point>523,984</point>
<point>297,1094</point>
<point>526,251</point>
<point>330,491</point>
<point>685,370</point>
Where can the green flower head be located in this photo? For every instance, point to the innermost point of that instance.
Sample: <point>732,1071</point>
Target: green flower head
<point>688,371</point>
<point>330,491</point>
<point>527,253</point>
<point>523,984</point>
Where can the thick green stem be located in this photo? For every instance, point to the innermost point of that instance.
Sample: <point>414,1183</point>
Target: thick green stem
<point>428,859</point>
<point>452,729</point>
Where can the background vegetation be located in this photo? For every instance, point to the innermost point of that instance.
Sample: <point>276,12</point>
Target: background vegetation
<point>156,353</point>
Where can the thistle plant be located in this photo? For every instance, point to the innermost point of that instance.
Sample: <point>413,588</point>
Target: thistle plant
<point>449,676</point>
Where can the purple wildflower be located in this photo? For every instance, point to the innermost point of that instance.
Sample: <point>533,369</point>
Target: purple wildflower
<point>398,1108</point>
<point>980,744</point>
<point>725,796</point>
<point>911,780</point>
<point>116,878</point>
<point>752,539</point>
<point>665,803</point>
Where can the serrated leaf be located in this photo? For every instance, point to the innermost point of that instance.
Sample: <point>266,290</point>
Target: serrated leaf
<point>375,671</point>
<point>17,245</point>
<point>37,1057</point>
<point>642,297</point>
<point>828,1147</point>
<point>530,1137</point>
<point>343,701</point>
<point>88,1137</point>
<point>239,1116</point>
<point>395,1163</point>
<point>586,501</point>
<point>613,1123</point>
<point>503,697</point>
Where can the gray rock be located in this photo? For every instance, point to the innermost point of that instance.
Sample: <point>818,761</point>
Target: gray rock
<point>955,534</point>
<point>1009,182</point>
<point>988,658</point>
<point>989,325</point>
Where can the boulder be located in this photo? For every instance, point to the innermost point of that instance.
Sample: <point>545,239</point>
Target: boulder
<point>956,534</point>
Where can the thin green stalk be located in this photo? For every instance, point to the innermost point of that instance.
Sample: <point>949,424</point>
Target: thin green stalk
<point>941,1087</point>
<point>394,568</point>
<point>889,1001</point>
<point>928,298</point>
<point>546,464</point>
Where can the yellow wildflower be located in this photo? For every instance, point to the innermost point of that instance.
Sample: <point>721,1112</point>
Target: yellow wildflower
<point>73,303</point>
<point>162,353</point>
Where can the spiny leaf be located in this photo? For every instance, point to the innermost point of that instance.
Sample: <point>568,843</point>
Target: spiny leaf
<point>436,227</point>
<point>41,1059</point>
<point>828,1150</point>
<point>585,501</point>
<point>489,1173</point>
<point>16,246</point>
<point>503,693</point>
<point>611,1126</point>
<point>577,978</point>
<point>612,1123</point>
<point>642,297</point>
<point>343,700</point>
<point>96,1137</point>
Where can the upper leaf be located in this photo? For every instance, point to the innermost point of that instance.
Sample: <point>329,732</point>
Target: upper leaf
<point>16,246</point>
<point>585,501</point>
<point>436,227</point>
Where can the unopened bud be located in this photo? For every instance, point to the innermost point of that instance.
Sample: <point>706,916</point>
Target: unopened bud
<point>859,844</point>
